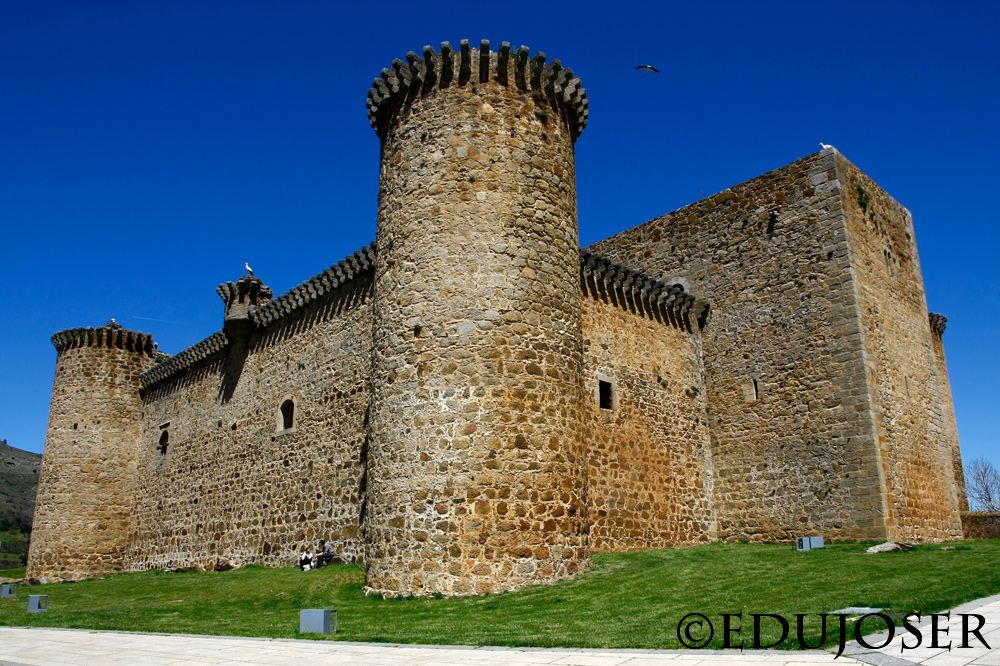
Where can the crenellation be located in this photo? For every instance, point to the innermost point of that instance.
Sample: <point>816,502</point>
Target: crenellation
<point>475,403</point>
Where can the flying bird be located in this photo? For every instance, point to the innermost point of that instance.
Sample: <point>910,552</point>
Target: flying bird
<point>249,270</point>
<point>822,145</point>
<point>648,68</point>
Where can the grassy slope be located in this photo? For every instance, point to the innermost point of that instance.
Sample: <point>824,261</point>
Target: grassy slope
<point>626,600</point>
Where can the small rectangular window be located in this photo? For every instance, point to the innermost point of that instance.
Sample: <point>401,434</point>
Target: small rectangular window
<point>604,393</point>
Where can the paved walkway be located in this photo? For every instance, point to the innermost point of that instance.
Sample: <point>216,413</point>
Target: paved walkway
<point>894,655</point>
<point>21,646</point>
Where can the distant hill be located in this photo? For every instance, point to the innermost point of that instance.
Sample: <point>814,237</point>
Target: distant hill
<point>18,484</point>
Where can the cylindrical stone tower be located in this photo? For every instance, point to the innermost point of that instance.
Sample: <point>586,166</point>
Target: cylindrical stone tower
<point>86,488</point>
<point>476,470</point>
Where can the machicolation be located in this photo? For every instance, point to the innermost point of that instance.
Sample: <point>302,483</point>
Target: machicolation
<point>473,403</point>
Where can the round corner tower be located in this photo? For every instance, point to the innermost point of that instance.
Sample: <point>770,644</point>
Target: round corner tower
<point>476,468</point>
<point>86,488</point>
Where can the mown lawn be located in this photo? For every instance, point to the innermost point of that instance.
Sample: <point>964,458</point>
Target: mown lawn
<point>625,600</point>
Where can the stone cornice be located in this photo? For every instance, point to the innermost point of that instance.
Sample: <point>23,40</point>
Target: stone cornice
<point>670,300</point>
<point>550,84</point>
<point>110,335</point>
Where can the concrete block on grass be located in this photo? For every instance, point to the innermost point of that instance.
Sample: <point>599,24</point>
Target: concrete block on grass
<point>8,591</point>
<point>38,603</point>
<point>317,621</point>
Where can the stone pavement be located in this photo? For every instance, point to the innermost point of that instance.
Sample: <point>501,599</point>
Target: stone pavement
<point>22,646</point>
<point>894,655</point>
<point>74,647</point>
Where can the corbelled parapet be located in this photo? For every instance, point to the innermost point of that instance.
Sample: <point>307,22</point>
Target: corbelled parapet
<point>346,270</point>
<point>938,323</point>
<point>550,84</point>
<point>110,335</point>
<point>669,302</point>
<point>242,299</point>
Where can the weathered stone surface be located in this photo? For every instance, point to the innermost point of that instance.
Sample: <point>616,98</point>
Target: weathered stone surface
<point>980,525</point>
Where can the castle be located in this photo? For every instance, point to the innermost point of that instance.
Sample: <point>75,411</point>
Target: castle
<point>474,403</point>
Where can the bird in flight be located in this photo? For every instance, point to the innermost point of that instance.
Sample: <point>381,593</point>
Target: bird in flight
<point>648,68</point>
<point>249,270</point>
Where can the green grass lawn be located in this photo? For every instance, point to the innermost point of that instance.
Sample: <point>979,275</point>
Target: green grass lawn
<point>17,572</point>
<point>625,600</point>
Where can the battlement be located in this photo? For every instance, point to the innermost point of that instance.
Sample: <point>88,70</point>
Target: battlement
<point>111,335</point>
<point>550,84</point>
<point>185,359</point>
<point>347,269</point>
<point>669,303</point>
<point>938,323</point>
<point>246,289</point>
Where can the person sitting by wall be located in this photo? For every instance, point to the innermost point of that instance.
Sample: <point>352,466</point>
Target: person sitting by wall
<point>306,560</point>
<point>326,553</point>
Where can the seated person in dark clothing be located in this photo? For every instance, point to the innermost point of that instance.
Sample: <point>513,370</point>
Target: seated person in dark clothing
<point>326,554</point>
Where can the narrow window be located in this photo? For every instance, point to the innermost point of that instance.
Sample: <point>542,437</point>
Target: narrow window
<point>756,390</point>
<point>287,414</point>
<point>604,393</point>
<point>164,440</point>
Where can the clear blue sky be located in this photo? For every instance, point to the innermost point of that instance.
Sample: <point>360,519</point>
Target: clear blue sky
<point>148,149</point>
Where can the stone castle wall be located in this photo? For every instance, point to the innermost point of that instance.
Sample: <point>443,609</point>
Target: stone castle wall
<point>649,455</point>
<point>981,525</point>
<point>477,472</point>
<point>915,433</point>
<point>233,484</point>
<point>785,376</point>
<point>86,486</point>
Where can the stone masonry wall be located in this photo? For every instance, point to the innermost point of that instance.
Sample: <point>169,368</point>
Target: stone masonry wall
<point>234,485</point>
<point>792,439</point>
<point>477,472</point>
<point>947,407</point>
<point>981,525</point>
<point>649,456</point>
<point>916,437</point>
<point>86,487</point>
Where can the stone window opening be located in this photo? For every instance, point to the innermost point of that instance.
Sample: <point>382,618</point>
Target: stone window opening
<point>756,390</point>
<point>286,415</point>
<point>164,441</point>
<point>751,390</point>
<point>607,398</point>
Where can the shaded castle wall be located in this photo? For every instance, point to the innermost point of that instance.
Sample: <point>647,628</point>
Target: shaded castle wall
<point>947,408</point>
<point>792,442</point>
<point>915,433</point>
<point>649,456</point>
<point>233,485</point>
<point>86,487</point>
<point>477,472</point>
